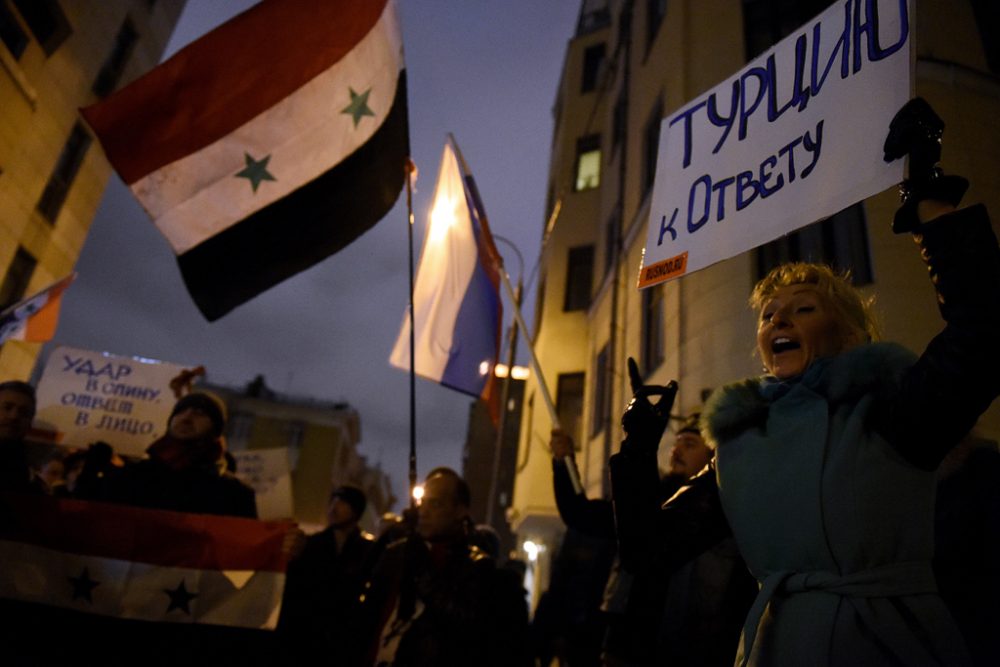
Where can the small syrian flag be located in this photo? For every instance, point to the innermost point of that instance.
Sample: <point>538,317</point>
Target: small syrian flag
<point>141,564</point>
<point>34,319</point>
<point>267,145</point>
<point>456,302</point>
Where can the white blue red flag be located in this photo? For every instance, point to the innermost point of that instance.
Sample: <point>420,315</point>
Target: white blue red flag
<point>456,303</point>
<point>34,319</point>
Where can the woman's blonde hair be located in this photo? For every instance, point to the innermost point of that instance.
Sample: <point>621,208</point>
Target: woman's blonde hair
<point>852,308</point>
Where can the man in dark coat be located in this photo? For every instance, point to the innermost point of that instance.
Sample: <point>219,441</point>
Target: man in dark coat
<point>17,409</point>
<point>323,586</point>
<point>185,471</point>
<point>435,599</point>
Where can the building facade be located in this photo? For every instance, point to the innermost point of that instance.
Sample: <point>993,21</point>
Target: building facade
<point>56,57</point>
<point>321,439</point>
<point>630,64</point>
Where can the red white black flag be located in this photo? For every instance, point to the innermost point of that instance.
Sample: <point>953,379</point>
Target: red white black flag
<point>267,145</point>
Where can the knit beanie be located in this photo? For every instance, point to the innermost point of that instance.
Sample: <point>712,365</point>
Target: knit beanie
<point>353,496</point>
<point>210,404</point>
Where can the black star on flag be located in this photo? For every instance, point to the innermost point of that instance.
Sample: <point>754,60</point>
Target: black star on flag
<point>83,586</point>
<point>180,598</point>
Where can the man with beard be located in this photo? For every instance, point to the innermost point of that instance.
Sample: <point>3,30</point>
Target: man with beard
<point>185,470</point>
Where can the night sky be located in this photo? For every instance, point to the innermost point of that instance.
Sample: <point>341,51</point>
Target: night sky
<point>486,72</point>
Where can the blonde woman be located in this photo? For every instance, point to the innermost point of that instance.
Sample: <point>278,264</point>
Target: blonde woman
<point>824,467</point>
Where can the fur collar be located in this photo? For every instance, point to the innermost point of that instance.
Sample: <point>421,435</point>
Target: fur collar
<point>868,368</point>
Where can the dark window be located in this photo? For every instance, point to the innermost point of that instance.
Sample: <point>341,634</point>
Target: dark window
<point>239,427</point>
<point>651,355</point>
<point>610,241</point>
<point>987,14</point>
<point>46,22</point>
<point>655,11</point>
<point>569,403</point>
<point>114,66</point>
<point>840,241</point>
<point>594,15</point>
<point>15,283</point>
<point>588,163</point>
<point>618,121</point>
<point>651,147</point>
<point>593,57</point>
<point>600,412</point>
<point>11,33</point>
<point>579,278</point>
<point>62,176</point>
<point>765,22</point>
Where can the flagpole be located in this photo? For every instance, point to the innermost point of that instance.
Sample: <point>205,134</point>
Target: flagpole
<point>413,353</point>
<point>543,388</point>
<point>505,392</point>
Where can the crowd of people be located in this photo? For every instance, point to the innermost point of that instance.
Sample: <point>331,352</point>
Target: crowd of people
<point>796,523</point>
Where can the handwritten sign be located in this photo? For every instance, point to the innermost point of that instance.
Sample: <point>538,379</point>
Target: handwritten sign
<point>793,137</point>
<point>87,396</point>
<point>268,472</point>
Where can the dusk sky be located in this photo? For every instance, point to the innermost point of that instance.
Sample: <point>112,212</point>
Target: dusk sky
<point>486,72</point>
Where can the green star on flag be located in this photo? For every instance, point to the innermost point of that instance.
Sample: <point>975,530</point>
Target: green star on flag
<point>256,171</point>
<point>358,106</point>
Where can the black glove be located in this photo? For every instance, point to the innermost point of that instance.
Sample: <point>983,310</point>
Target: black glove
<point>916,131</point>
<point>643,421</point>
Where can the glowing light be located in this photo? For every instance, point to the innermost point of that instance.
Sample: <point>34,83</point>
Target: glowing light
<point>484,367</point>
<point>418,492</point>
<point>532,550</point>
<point>444,215</point>
<point>519,372</point>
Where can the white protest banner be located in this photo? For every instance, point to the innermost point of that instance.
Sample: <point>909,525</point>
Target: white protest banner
<point>87,396</point>
<point>268,472</point>
<point>793,137</point>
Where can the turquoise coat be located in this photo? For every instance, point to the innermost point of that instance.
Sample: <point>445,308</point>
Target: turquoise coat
<point>835,525</point>
<point>827,481</point>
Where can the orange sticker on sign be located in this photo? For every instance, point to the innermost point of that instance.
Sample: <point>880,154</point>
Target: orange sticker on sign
<point>665,270</point>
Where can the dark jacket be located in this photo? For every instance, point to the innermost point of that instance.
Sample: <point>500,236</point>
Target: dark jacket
<point>445,605</point>
<point>967,548</point>
<point>15,473</point>
<point>199,490</point>
<point>319,611</point>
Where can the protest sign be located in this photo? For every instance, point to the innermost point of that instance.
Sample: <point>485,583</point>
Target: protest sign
<point>793,137</point>
<point>87,396</point>
<point>268,472</point>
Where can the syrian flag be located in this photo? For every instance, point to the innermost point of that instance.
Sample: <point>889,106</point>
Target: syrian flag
<point>141,564</point>
<point>267,145</point>
<point>34,319</point>
<point>456,302</point>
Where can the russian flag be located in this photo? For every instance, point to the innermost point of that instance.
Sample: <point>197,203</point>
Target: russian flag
<point>34,319</point>
<point>457,310</point>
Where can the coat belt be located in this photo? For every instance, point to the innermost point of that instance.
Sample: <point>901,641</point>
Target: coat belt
<point>892,580</point>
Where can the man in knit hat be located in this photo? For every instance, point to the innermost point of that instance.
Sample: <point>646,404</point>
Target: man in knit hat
<point>183,471</point>
<point>324,584</point>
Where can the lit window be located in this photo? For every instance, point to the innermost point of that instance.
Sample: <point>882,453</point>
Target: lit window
<point>588,163</point>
